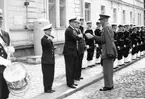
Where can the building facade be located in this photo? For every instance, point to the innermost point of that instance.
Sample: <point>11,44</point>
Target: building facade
<point>20,15</point>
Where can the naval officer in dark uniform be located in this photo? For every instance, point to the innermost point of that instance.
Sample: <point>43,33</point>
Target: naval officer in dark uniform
<point>48,59</point>
<point>109,52</point>
<point>70,51</point>
<point>4,42</point>
<point>80,52</point>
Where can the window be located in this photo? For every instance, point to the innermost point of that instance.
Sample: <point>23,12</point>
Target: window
<point>62,13</point>
<point>131,20</point>
<point>87,11</point>
<point>57,13</point>
<point>139,19</point>
<point>124,19</point>
<point>114,15</point>
<point>102,9</point>
<point>52,12</point>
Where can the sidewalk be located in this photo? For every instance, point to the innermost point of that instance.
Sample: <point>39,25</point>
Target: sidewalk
<point>35,88</point>
<point>35,74</point>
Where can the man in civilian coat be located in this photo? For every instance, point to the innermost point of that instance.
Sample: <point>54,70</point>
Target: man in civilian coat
<point>4,42</point>
<point>109,52</point>
<point>48,59</point>
<point>70,51</point>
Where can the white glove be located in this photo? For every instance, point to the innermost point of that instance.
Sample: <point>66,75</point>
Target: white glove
<point>89,36</point>
<point>130,50</point>
<point>96,45</point>
<point>80,35</point>
<point>4,62</point>
<point>51,38</point>
<point>87,46</point>
<point>10,49</point>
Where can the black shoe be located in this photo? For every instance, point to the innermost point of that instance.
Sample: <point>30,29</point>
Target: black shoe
<point>81,78</point>
<point>121,65</point>
<point>49,91</point>
<point>106,88</point>
<point>115,67</point>
<point>71,86</point>
<point>78,79</point>
<point>75,84</point>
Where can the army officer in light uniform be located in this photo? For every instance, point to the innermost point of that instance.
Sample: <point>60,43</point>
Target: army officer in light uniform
<point>109,52</point>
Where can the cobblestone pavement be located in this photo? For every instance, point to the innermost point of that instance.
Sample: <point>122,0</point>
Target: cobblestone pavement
<point>129,83</point>
<point>36,84</point>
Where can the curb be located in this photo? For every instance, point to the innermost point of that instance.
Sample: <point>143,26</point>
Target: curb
<point>98,79</point>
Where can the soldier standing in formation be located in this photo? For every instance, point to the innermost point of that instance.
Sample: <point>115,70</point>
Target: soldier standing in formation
<point>98,44</point>
<point>134,42</point>
<point>114,28</point>
<point>127,44</point>
<point>90,43</point>
<point>120,45</point>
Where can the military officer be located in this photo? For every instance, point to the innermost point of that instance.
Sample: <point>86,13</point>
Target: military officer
<point>4,42</point>
<point>48,59</point>
<point>70,51</point>
<point>109,52</point>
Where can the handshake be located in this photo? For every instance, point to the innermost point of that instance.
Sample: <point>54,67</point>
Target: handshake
<point>89,36</point>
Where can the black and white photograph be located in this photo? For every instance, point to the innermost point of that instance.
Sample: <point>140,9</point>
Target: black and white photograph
<point>72,49</point>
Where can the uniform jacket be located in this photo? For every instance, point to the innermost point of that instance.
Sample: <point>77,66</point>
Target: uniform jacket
<point>80,43</point>
<point>6,39</point>
<point>82,29</point>
<point>70,45</point>
<point>89,42</point>
<point>98,33</point>
<point>47,51</point>
<point>107,41</point>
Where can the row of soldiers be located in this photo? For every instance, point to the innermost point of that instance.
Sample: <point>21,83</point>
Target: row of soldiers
<point>129,40</point>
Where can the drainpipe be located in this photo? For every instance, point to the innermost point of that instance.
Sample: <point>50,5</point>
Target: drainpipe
<point>26,4</point>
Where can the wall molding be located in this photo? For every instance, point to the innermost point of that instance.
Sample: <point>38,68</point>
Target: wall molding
<point>128,4</point>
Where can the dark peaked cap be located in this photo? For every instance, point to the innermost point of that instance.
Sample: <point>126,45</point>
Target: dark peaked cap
<point>72,19</point>
<point>102,16</point>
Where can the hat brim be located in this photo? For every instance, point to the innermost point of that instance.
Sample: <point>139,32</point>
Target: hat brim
<point>1,16</point>
<point>47,27</point>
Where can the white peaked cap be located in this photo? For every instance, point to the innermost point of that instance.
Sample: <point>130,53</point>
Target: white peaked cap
<point>47,27</point>
<point>1,13</point>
